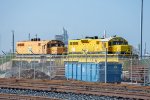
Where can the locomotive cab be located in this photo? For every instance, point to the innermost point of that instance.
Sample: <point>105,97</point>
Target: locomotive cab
<point>118,45</point>
<point>56,47</point>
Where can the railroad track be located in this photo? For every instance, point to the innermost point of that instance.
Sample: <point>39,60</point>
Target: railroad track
<point>62,86</point>
<point>23,97</point>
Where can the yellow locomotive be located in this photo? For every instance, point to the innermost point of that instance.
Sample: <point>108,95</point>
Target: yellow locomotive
<point>89,45</point>
<point>94,45</point>
<point>36,46</point>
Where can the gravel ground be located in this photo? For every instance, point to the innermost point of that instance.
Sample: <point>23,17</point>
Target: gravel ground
<point>64,96</point>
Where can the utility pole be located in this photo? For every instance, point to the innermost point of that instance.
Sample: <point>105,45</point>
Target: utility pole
<point>106,66</point>
<point>13,42</point>
<point>85,51</point>
<point>145,50</point>
<point>50,69</point>
<point>20,65</point>
<point>131,64</point>
<point>0,41</point>
<point>33,64</point>
<point>5,60</point>
<point>29,37</point>
<point>141,25</point>
<point>36,36</point>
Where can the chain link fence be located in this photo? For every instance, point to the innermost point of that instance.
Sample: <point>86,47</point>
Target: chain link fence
<point>134,70</point>
<point>137,70</point>
<point>32,67</point>
<point>5,62</point>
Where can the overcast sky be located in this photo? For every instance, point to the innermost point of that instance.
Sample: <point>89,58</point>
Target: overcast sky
<point>81,18</point>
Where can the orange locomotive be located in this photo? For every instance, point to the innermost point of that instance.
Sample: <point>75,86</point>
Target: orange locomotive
<point>37,46</point>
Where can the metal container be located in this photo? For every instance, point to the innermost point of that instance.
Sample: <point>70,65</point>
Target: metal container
<point>114,71</point>
<point>93,72</point>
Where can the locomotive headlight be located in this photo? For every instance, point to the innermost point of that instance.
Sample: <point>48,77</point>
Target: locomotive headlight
<point>73,49</point>
<point>129,49</point>
<point>118,49</point>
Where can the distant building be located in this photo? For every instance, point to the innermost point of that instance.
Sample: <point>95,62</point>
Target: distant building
<point>63,37</point>
<point>59,37</point>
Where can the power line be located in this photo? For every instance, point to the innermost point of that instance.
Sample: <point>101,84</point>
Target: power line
<point>141,26</point>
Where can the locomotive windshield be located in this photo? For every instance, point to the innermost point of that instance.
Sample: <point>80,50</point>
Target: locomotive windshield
<point>118,41</point>
<point>55,45</point>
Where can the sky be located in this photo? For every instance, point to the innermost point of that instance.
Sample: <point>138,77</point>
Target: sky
<point>80,18</point>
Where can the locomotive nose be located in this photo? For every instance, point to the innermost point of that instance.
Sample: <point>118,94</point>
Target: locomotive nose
<point>126,49</point>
